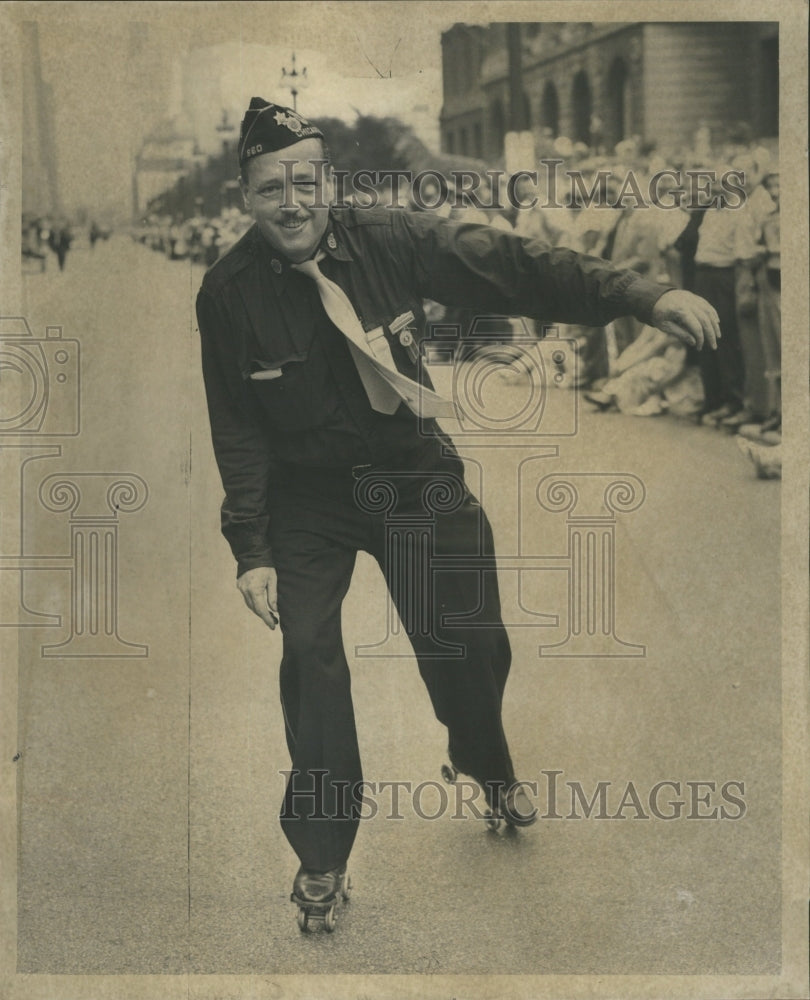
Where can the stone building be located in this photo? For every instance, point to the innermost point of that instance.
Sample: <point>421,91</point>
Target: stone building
<point>599,83</point>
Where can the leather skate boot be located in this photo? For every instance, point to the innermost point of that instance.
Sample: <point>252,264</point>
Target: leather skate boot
<point>516,808</point>
<point>316,894</point>
<point>510,807</point>
<point>317,887</point>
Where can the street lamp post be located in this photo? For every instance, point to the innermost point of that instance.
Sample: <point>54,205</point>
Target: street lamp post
<point>294,81</point>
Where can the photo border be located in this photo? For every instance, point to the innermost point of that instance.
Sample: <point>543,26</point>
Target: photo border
<point>793,982</point>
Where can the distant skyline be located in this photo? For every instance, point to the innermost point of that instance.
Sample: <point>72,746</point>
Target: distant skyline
<point>112,82</point>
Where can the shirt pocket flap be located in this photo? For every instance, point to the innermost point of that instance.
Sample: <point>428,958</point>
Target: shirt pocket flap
<point>261,369</point>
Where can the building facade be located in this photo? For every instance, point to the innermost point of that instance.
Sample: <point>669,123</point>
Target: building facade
<point>599,83</point>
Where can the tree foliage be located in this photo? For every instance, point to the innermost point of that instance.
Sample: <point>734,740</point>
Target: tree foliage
<point>370,143</point>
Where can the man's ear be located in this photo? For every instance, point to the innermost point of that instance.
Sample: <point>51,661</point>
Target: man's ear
<point>243,187</point>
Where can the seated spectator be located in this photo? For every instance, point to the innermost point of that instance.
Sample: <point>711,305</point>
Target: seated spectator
<point>641,375</point>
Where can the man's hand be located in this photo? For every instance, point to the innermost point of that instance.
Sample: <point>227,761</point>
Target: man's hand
<point>258,587</point>
<point>687,317</point>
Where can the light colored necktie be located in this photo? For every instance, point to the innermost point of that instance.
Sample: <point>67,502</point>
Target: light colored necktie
<point>385,386</point>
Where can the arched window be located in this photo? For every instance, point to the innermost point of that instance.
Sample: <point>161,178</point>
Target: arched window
<point>497,127</point>
<point>618,106</point>
<point>582,105</point>
<point>769,105</point>
<point>478,142</point>
<point>550,110</point>
<point>525,121</point>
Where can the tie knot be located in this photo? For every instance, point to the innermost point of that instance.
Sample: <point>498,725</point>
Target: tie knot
<point>310,267</point>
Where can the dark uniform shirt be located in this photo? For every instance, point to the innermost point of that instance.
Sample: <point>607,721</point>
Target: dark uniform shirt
<point>257,314</point>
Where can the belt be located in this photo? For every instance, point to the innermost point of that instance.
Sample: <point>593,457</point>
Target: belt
<point>363,469</point>
<point>337,472</point>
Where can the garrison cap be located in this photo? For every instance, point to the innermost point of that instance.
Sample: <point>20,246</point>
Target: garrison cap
<point>268,127</point>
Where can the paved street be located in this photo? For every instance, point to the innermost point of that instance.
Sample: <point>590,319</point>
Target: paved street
<point>149,785</point>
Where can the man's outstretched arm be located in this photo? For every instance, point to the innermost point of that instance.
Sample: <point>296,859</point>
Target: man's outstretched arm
<point>478,267</point>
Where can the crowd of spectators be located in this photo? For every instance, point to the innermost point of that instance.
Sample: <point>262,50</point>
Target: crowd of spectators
<point>42,234</point>
<point>729,253</point>
<point>200,239</point>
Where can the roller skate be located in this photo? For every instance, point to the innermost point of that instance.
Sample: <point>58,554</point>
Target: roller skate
<point>512,806</point>
<point>449,774</point>
<point>317,894</point>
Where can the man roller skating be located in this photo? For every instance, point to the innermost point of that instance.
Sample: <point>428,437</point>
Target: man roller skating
<point>310,329</point>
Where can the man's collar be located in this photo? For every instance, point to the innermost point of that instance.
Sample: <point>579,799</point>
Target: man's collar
<point>332,244</point>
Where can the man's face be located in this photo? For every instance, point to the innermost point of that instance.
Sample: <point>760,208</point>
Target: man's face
<point>290,200</point>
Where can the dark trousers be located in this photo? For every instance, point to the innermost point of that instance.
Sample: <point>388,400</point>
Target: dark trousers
<point>406,521</point>
<point>722,371</point>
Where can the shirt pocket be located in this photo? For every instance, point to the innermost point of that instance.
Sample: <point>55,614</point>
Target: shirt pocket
<point>283,387</point>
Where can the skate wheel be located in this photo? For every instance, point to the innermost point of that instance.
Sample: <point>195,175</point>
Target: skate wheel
<point>493,822</point>
<point>303,919</point>
<point>346,887</point>
<point>329,920</point>
<point>449,773</point>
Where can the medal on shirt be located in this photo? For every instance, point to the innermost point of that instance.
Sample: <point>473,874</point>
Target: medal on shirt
<point>401,327</point>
